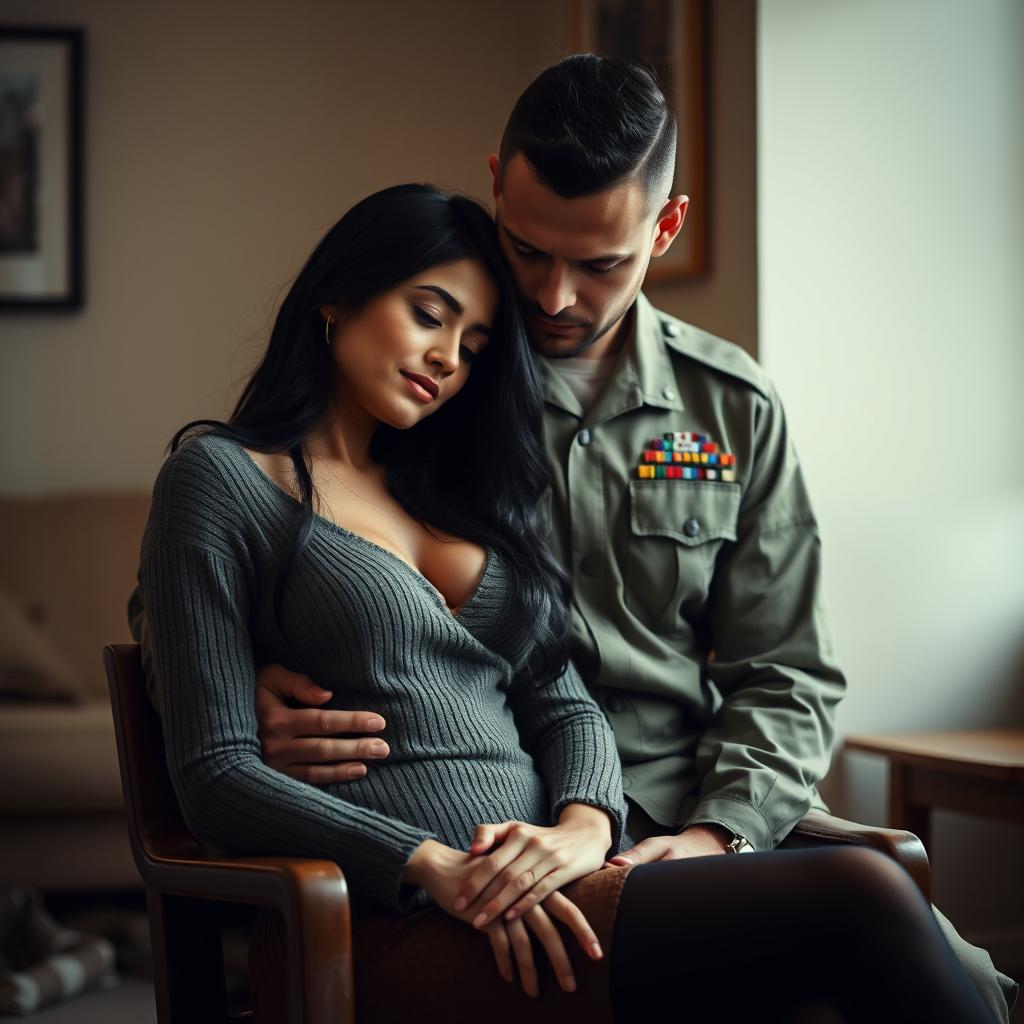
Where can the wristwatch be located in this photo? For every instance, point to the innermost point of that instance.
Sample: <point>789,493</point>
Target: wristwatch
<point>737,844</point>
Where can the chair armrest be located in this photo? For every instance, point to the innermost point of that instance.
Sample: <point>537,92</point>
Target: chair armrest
<point>311,896</point>
<point>817,829</point>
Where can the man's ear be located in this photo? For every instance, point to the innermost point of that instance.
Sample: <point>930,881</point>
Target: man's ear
<point>669,224</point>
<point>495,166</point>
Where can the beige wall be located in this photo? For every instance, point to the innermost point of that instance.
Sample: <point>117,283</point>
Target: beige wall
<point>223,139</point>
<point>892,313</point>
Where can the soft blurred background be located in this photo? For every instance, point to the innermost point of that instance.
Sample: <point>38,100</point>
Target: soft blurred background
<point>866,241</point>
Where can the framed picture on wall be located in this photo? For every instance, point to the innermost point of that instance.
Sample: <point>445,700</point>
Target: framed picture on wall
<point>670,38</point>
<point>40,168</point>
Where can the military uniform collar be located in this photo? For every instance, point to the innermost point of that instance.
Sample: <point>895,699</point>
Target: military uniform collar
<point>643,375</point>
<point>651,356</point>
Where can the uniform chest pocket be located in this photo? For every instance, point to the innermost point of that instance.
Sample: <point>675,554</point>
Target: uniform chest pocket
<point>677,528</point>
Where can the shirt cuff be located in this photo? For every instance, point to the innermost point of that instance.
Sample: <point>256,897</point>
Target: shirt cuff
<point>739,816</point>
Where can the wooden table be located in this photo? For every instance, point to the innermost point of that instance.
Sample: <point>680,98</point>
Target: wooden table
<point>979,772</point>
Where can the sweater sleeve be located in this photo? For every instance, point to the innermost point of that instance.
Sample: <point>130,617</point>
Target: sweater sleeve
<point>572,744</point>
<point>197,587</point>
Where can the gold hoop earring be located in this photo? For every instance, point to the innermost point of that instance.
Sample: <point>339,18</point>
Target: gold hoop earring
<point>327,328</point>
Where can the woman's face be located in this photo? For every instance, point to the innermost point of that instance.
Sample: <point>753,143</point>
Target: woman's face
<point>408,351</point>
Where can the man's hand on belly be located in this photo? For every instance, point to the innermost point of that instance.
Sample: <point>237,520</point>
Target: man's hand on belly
<point>304,742</point>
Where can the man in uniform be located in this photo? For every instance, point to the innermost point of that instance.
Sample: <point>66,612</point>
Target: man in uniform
<point>677,504</point>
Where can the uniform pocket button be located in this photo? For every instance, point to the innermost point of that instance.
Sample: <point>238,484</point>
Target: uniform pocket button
<point>583,437</point>
<point>692,527</point>
<point>588,565</point>
<point>616,704</point>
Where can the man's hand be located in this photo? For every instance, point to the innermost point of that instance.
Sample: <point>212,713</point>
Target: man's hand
<point>695,841</point>
<point>301,742</point>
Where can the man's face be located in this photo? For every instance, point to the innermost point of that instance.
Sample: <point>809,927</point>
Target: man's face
<point>578,263</point>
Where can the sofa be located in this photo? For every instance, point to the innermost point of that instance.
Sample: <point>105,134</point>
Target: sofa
<point>67,566</point>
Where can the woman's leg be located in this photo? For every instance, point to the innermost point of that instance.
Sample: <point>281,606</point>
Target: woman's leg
<point>757,936</point>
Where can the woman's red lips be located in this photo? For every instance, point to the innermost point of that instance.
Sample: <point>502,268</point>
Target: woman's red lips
<point>427,384</point>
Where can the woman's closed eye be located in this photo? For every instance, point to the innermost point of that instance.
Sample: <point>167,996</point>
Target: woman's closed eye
<point>426,317</point>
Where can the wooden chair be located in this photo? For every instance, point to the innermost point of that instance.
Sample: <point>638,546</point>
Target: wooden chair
<point>186,887</point>
<point>184,884</point>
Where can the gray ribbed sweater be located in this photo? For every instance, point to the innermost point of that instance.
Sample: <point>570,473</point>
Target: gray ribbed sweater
<point>467,745</point>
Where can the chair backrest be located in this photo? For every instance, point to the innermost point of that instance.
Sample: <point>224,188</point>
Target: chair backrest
<point>155,825</point>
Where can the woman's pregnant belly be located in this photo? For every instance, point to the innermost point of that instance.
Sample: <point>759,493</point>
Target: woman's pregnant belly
<point>450,796</point>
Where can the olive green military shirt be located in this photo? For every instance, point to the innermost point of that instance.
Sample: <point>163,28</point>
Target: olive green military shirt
<point>698,617</point>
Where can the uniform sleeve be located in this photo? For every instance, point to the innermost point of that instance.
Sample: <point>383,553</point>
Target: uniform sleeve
<point>771,739</point>
<point>196,590</point>
<point>572,745</point>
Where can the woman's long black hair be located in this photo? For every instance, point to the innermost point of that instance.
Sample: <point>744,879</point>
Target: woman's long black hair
<point>476,467</point>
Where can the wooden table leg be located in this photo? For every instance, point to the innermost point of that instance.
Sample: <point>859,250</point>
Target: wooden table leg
<point>903,812</point>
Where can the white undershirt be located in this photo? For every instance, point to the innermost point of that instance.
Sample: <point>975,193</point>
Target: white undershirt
<point>586,377</point>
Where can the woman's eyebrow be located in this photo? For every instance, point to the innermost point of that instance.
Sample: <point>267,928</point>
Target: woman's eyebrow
<point>453,304</point>
<point>449,300</point>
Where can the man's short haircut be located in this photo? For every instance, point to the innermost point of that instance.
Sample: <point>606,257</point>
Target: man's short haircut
<point>590,123</point>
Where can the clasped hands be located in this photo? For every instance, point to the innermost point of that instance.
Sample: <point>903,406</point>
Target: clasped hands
<point>507,885</point>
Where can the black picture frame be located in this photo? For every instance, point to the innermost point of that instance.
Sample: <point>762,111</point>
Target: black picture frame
<point>41,171</point>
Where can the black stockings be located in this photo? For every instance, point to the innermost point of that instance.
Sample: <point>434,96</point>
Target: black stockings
<point>757,937</point>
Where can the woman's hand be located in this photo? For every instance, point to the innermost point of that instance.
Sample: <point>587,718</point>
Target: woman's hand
<point>531,862</point>
<point>512,939</point>
<point>442,872</point>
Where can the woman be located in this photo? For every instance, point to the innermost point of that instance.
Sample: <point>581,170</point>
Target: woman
<point>369,513</point>
<point>369,516</point>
